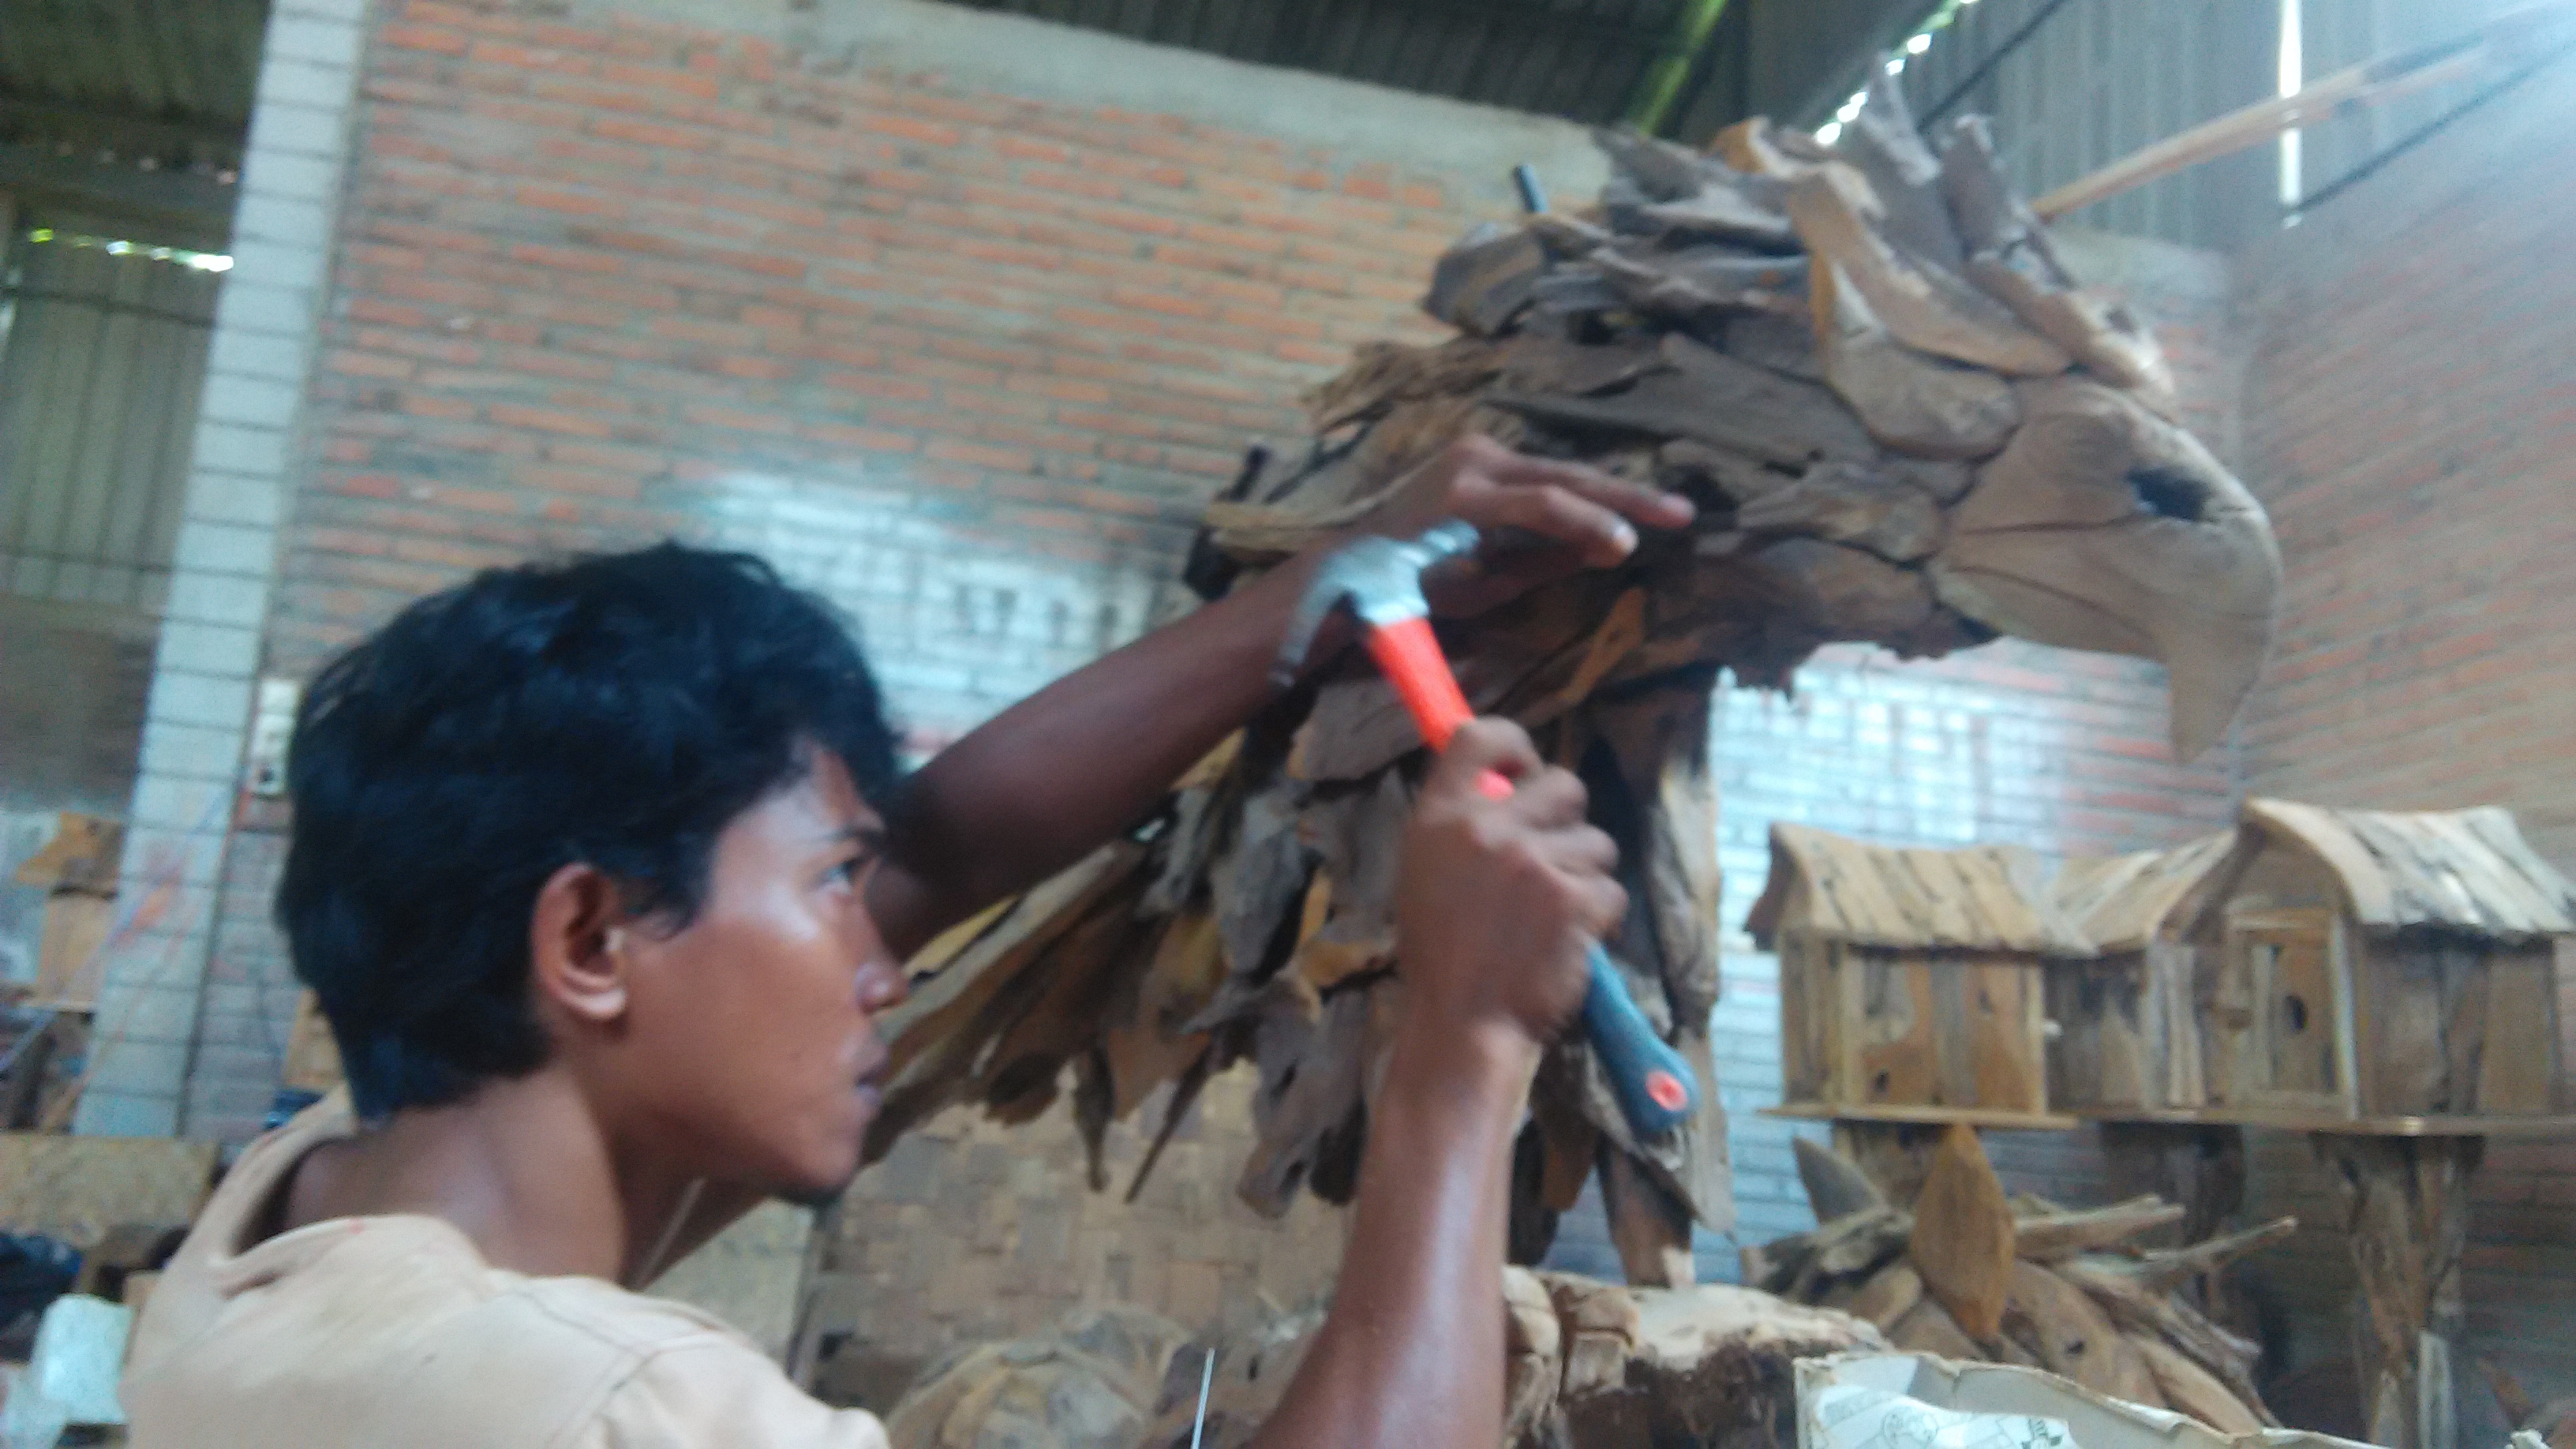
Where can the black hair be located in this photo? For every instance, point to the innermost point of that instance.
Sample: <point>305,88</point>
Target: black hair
<point>617,709</point>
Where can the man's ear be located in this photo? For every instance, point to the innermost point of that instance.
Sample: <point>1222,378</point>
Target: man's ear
<point>577,944</point>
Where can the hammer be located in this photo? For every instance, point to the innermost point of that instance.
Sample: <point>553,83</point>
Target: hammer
<point>1381,580</point>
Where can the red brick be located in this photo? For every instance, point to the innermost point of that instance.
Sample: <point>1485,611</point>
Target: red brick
<point>423,37</point>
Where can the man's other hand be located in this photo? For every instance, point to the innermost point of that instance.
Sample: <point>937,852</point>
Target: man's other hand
<point>1500,899</point>
<point>1542,519</point>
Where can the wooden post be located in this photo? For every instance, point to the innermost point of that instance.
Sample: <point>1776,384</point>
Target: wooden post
<point>2406,1209</point>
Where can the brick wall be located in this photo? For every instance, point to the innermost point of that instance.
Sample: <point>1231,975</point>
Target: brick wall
<point>965,361</point>
<point>2411,423</point>
<point>966,349</point>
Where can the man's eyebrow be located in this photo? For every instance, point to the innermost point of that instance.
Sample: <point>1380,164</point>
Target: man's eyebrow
<point>870,834</point>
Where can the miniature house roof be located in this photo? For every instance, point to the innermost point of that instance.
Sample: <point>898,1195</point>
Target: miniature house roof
<point>2118,901</point>
<point>1982,898</point>
<point>2464,870</point>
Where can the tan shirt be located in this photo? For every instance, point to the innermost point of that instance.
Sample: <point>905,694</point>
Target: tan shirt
<point>393,1331</point>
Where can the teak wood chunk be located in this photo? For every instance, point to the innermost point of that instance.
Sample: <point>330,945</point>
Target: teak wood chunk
<point>1836,1186</point>
<point>2406,1211</point>
<point>1963,1234</point>
<point>2073,1337</point>
<point>1895,1157</point>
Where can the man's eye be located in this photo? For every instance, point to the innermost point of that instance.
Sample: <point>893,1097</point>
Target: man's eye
<point>854,869</point>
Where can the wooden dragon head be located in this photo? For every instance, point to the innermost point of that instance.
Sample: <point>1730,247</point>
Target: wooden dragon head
<point>1903,423</point>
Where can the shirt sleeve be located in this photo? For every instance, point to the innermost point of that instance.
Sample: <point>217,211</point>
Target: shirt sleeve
<point>720,1392</point>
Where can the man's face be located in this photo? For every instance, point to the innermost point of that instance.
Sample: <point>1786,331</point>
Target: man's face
<point>752,1049</point>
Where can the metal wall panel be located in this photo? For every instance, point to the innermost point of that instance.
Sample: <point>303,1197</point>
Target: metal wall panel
<point>2093,80</point>
<point>100,369</point>
<point>2341,33</point>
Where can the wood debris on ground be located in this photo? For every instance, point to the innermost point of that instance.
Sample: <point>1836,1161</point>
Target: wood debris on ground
<point>1951,1265</point>
<point>1903,423</point>
<point>1587,1362</point>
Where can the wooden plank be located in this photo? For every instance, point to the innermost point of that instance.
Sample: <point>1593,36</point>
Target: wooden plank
<point>2519,1069</point>
<point>1802,1056</point>
<point>2518,905</point>
<point>1892,1051</point>
<point>1939,883</point>
<point>2007,1056</point>
<point>2172,973</point>
<point>2365,886</point>
<point>2298,1006</point>
<point>1939,1116</point>
<point>2495,827</point>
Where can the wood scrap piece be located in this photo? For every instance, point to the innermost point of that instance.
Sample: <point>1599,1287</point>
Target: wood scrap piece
<point>1895,1156</point>
<point>1883,143</point>
<point>1651,1230</point>
<point>1910,401</point>
<point>2171,1268</point>
<point>1927,1327</point>
<point>1931,310</point>
<point>1850,503</point>
<point>1536,363</point>
<point>1963,1234</point>
<point>1832,592</point>
<point>2075,1338</point>
<point>1484,281</point>
<point>1888,1296</point>
<point>1681,285</point>
<point>1533,1354</point>
<point>2145,1312</point>
<point>1758,148</point>
<point>2015,262</point>
<point>2047,1237</point>
<point>1656,167</point>
<point>2190,1389</point>
<point>1749,213</point>
<point>1315,1101</point>
<point>1601,1329</point>
<point>1801,420</point>
<point>1835,1184</point>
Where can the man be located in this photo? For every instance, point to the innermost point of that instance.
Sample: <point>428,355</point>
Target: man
<point>601,871</point>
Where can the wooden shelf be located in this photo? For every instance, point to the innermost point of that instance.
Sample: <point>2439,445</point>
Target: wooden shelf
<point>2537,1126</point>
<point>1930,1116</point>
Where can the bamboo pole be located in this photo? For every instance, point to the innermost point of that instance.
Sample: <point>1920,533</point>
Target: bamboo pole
<point>2513,36</point>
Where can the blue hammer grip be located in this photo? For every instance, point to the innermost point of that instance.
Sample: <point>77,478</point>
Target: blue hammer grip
<point>1653,1083</point>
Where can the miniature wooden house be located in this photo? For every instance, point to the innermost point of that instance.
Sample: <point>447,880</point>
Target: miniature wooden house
<point>1911,981</point>
<point>2326,968</point>
<point>2128,1036</point>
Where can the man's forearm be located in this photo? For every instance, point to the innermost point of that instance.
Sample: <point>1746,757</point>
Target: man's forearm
<point>1047,780</point>
<point>1411,1356</point>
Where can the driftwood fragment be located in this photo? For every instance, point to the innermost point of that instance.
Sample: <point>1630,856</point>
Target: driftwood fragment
<point>1963,1235</point>
<point>2047,1237</point>
<point>1836,1187</point>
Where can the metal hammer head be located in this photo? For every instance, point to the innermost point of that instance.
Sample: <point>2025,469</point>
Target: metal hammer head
<point>1380,578</point>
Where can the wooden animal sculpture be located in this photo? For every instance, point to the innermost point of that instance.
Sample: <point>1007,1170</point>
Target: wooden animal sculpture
<point>1903,423</point>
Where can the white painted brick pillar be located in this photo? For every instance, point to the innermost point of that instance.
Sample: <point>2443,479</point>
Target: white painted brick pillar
<point>197,721</point>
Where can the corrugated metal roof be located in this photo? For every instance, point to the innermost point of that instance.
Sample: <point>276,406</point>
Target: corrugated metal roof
<point>167,82</point>
<point>2463,870</point>
<point>1978,898</point>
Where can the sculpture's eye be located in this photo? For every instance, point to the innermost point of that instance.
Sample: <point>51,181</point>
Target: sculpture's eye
<point>2168,494</point>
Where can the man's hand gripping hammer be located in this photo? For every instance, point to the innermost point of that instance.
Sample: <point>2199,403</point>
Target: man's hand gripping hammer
<point>1381,580</point>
